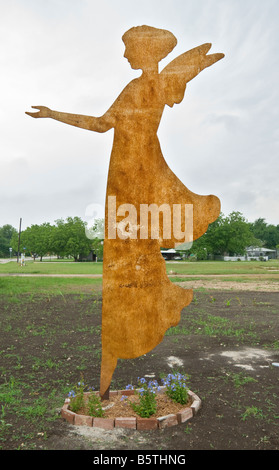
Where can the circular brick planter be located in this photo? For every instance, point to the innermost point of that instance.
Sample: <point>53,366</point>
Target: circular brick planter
<point>138,423</point>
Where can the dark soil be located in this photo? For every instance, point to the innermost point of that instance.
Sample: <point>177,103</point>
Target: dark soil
<point>226,342</point>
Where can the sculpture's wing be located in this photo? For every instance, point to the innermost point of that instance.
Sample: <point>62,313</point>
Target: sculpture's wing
<point>183,69</point>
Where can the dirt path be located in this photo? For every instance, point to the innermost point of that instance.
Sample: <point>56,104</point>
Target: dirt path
<point>255,286</point>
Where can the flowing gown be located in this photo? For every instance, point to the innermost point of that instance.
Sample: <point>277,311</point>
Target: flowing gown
<point>139,301</point>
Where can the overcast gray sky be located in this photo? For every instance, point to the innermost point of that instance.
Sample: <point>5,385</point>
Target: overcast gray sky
<point>68,55</point>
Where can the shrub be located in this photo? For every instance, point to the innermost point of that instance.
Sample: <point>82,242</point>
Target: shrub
<point>93,404</point>
<point>77,397</point>
<point>147,405</point>
<point>177,389</point>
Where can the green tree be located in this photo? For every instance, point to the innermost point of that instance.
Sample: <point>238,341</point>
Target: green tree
<point>96,235</point>
<point>271,236</point>
<point>231,235</point>
<point>258,228</point>
<point>14,242</point>
<point>200,248</point>
<point>6,234</point>
<point>69,238</point>
<point>227,235</point>
<point>59,238</point>
<point>37,240</point>
<point>268,234</point>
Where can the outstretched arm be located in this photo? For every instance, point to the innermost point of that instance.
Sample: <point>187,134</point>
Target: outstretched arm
<point>97,124</point>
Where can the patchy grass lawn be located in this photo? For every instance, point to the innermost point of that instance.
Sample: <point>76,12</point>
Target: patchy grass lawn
<point>270,267</point>
<point>226,342</point>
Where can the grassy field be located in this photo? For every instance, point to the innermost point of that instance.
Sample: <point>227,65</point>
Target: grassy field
<point>183,268</point>
<point>224,267</point>
<point>50,267</point>
<point>11,288</point>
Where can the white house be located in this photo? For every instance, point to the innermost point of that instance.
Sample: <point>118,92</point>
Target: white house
<point>259,253</point>
<point>254,253</point>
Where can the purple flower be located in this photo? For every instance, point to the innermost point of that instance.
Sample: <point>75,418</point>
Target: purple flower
<point>129,387</point>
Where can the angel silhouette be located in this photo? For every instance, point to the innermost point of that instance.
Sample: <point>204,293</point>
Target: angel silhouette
<point>139,301</point>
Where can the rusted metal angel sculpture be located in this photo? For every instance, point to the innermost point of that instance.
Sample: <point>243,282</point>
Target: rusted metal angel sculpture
<point>139,301</point>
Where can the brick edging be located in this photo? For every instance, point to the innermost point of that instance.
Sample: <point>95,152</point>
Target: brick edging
<point>138,423</point>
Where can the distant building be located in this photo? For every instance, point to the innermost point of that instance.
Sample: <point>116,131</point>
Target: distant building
<point>254,253</point>
<point>171,254</point>
<point>260,252</point>
<point>90,257</point>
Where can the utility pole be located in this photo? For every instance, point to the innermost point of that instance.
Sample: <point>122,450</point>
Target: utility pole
<point>19,232</point>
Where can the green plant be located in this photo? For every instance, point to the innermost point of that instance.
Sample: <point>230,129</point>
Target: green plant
<point>147,405</point>
<point>10,392</point>
<point>239,301</point>
<point>38,409</point>
<point>240,379</point>
<point>252,411</point>
<point>2,417</point>
<point>177,330</point>
<point>264,440</point>
<point>78,401</point>
<point>177,389</point>
<point>94,406</point>
<point>187,429</point>
<point>77,397</point>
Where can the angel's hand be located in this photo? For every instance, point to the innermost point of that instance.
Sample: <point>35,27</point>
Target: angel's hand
<point>44,112</point>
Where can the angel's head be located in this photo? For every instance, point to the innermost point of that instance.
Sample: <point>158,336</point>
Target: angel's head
<point>146,46</point>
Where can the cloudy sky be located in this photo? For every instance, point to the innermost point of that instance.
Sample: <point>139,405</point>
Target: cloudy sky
<point>68,55</point>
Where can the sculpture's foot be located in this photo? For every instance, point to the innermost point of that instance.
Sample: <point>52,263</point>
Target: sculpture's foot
<point>108,366</point>
<point>105,396</point>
